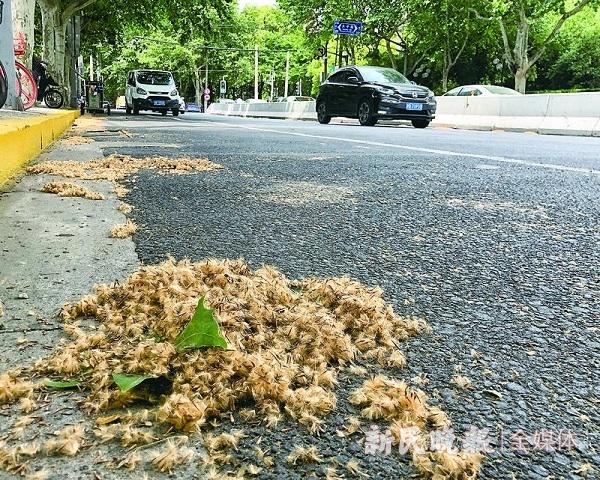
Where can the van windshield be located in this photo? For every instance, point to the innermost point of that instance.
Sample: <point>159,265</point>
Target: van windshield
<point>155,78</point>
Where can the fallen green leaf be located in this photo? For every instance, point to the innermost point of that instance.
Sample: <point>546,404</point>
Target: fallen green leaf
<point>61,384</point>
<point>127,382</point>
<point>202,331</point>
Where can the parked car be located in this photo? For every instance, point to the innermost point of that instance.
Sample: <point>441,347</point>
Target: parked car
<point>193,107</point>
<point>225,100</point>
<point>256,100</point>
<point>153,90</point>
<point>372,93</point>
<point>298,98</point>
<point>480,90</point>
<point>182,107</point>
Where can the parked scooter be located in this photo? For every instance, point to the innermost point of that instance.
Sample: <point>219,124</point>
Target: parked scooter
<point>49,90</point>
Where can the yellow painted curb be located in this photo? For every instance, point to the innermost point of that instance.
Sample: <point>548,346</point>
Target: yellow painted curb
<point>22,139</point>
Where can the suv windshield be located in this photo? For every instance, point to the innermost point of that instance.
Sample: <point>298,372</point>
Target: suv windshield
<point>382,75</point>
<point>155,78</point>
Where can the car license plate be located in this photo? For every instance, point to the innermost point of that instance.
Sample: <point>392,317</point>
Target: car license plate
<point>159,103</point>
<point>414,106</point>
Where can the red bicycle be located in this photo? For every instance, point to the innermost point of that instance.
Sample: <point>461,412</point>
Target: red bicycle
<point>26,85</point>
<point>3,86</point>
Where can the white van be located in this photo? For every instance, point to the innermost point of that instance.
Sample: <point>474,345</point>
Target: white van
<point>151,90</point>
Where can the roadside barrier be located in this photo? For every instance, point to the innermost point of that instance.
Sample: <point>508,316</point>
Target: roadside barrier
<point>281,110</point>
<point>557,114</point>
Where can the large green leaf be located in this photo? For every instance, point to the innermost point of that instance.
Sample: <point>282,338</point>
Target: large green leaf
<point>202,331</point>
<point>61,384</point>
<point>127,382</point>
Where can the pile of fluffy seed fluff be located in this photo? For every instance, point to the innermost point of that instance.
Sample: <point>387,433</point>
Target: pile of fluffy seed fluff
<point>286,340</point>
<point>116,167</point>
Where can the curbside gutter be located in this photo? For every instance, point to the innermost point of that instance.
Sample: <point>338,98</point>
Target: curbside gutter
<point>24,136</point>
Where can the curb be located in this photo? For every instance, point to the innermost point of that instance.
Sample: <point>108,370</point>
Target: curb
<point>22,139</point>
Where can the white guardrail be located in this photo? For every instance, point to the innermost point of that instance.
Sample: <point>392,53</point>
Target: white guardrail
<point>558,114</point>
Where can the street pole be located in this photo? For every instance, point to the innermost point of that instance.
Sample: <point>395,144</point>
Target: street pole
<point>256,72</point>
<point>74,46</point>
<point>205,87</point>
<point>325,62</point>
<point>287,74</point>
<point>272,83</point>
<point>7,55</point>
<point>197,84</point>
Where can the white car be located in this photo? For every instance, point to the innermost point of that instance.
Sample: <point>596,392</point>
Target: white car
<point>480,90</point>
<point>153,90</point>
<point>182,106</point>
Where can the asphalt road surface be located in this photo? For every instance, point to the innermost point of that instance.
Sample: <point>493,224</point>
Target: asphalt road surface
<point>494,237</point>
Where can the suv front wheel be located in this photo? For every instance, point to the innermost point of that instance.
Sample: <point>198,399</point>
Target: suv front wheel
<point>322,116</point>
<point>365,113</point>
<point>420,123</point>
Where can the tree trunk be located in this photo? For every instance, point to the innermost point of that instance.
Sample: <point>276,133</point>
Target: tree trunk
<point>54,35</point>
<point>521,53</point>
<point>521,80</point>
<point>388,47</point>
<point>198,87</point>
<point>23,15</point>
<point>445,75</point>
<point>446,69</point>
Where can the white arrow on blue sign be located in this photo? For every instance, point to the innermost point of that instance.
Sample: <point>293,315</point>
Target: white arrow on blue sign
<point>347,27</point>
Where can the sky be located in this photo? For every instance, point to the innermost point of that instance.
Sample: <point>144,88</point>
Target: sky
<point>258,3</point>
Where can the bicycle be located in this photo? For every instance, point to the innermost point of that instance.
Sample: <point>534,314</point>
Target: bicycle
<point>3,82</point>
<point>26,85</point>
<point>3,86</point>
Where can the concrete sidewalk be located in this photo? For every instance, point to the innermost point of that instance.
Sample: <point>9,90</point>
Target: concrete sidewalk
<point>52,251</point>
<point>50,254</point>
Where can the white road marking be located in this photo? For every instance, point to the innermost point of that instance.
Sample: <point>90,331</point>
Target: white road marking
<point>493,158</point>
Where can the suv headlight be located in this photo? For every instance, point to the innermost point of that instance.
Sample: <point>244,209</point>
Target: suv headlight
<point>386,92</point>
<point>174,93</point>
<point>431,97</point>
<point>141,91</point>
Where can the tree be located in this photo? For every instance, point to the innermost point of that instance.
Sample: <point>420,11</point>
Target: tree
<point>392,22</point>
<point>451,22</point>
<point>23,15</point>
<point>517,18</point>
<point>55,17</point>
<point>572,61</point>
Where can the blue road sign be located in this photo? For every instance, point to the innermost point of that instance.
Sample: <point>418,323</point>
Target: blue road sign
<point>347,27</point>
